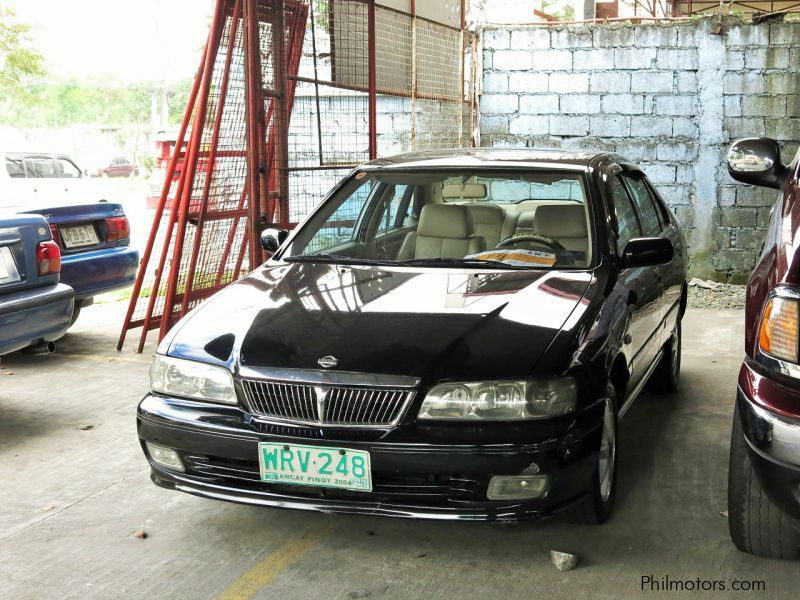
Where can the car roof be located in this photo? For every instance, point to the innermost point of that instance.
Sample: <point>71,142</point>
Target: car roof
<point>553,158</point>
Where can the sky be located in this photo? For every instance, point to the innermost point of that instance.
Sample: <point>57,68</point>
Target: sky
<point>123,41</point>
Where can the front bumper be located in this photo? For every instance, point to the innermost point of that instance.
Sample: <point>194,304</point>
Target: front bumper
<point>98,271</point>
<point>436,478</point>
<point>772,434</point>
<point>34,315</point>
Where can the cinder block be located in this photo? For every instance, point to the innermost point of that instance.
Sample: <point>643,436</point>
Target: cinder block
<point>615,82</point>
<point>733,106</point>
<point>634,58</point>
<point>494,124</point>
<point>726,195</point>
<point>748,35</point>
<point>677,59</point>
<point>764,106</point>
<point>571,37</point>
<point>740,127</point>
<point>612,36</point>
<point>733,261</point>
<point>569,82</point>
<point>660,173</point>
<point>793,106</point>
<point>732,216</point>
<point>784,34</point>
<point>655,36</point>
<point>687,82</point>
<point>782,83</point>
<point>610,126</point>
<point>552,60</point>
<point>496,39</point>
<point>743,83</point>
<point>624,104</point>
<point>538,104</point>
<point>637,149</point>
<point>495,83</point>
<point>684,213</point>
<point>651,126</point>
<point>676,151</point>
<point>676,105</point>
<point>687,34</point>
<point>734,60</point>
<point>684,174</point>
<point>498,104</point>
<point>531,83</point>
<point>676,196</point>
<point>512,60</point>
<point>488,59</point>
<point>580,104</point>
<point>594,60</point>
<point>768,58</point>
<point>751,196</point>
<point>529,125</point>
<point>652,83</point>
<point>569,125</point>
<point>787,129</point>
<point>750,239</point>
<point>530,39</point>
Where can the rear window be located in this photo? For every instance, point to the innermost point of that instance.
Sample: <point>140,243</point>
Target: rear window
<point>548,187</point>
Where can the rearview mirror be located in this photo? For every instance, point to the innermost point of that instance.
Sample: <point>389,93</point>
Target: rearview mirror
<point>647,252</point>
<point>757,161</point>
<point>272,239</point>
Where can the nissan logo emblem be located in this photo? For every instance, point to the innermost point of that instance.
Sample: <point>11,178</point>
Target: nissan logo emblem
<point>326,362</point>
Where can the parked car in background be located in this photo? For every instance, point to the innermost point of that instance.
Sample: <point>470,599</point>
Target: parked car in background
<point>764,473</point>
<point>118,167</point>
<point>92,233</point>
<point>35,309</point>
<point>449,334</point>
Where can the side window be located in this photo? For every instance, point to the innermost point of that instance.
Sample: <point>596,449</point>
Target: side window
<point>627,222</point>
<point>65,168</point>
<point>14,166</point>
<point>397,201</point>
<point>40,167</point>
<point>644,202</point>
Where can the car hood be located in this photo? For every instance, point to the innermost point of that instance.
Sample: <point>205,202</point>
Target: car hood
<point>428,323</point>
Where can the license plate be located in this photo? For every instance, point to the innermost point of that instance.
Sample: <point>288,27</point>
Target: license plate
<point>8,270</point>
<point>81,235</point>
<point>317,466</point>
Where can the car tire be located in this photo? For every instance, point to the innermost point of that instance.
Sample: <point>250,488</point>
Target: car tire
<point>597,505</point>
<point>667,376</point>
<point>757,526</point>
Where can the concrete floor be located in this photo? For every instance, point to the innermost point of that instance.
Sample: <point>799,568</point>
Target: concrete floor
<point>75,488</point>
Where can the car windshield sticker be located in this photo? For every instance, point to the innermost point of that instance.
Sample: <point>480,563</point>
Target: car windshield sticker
<point>517,258</point>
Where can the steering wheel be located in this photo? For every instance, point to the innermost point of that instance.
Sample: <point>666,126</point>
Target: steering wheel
<point>534,238</point>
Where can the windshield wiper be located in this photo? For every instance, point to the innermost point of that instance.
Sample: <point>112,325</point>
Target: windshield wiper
<point>459,262</point>
<point>338,258</point>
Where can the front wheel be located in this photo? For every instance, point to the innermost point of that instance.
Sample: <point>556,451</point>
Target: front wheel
<point>598,503</point>
<point>756,525</point>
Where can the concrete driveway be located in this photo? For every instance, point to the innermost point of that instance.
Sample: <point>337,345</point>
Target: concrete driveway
<point>75,488</point>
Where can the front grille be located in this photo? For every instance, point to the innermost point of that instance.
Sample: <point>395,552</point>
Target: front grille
<point>325,405</point>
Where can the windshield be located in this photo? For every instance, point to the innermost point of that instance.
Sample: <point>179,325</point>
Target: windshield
<point>529,219</point>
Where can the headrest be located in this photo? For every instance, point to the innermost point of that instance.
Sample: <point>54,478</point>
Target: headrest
<point>525,220</point>
<point>466,190</point>
<point>444,221</point>
<point>486,213</point>
<point>560,221</point>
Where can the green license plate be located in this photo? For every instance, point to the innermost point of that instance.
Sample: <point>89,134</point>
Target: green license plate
<point>317,466</point>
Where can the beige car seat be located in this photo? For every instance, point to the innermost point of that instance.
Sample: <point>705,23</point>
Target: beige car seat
<point>444,231</point>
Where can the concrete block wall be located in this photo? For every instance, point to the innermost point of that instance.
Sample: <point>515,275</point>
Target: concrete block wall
<point>671,97</point>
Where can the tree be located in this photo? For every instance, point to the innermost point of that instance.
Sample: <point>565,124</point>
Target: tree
<point>18,60</point>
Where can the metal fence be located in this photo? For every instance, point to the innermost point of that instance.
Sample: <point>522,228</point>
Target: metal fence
<point>274,121</point>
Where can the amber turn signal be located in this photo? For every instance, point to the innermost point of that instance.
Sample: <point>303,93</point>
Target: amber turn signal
<point>778,336</point>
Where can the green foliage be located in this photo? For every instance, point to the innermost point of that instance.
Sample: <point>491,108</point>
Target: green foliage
<point>18,61</point>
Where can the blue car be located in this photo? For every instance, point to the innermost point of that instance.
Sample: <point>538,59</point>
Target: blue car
<point>92,234</point>
<point>35,309</point>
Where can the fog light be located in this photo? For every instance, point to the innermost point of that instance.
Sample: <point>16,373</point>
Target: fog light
<point>165,457</point>
<point>516,487</point>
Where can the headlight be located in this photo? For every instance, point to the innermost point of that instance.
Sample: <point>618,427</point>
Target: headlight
<point>778,336</point>
<point>500,400</point>
<point>190,379</point>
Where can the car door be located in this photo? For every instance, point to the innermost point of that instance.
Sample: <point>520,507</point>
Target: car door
<point>643,287</point>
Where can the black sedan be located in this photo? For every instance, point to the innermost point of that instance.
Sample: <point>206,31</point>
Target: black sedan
<point>450,334</point>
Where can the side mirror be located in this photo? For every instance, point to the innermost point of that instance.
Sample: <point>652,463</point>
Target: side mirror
<point>647,252</point>
<point>757,161</point>
<point>272,239</point>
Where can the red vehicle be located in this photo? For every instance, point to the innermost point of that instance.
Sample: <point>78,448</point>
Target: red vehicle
<point>764,475</point>
<point>119,167</point>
